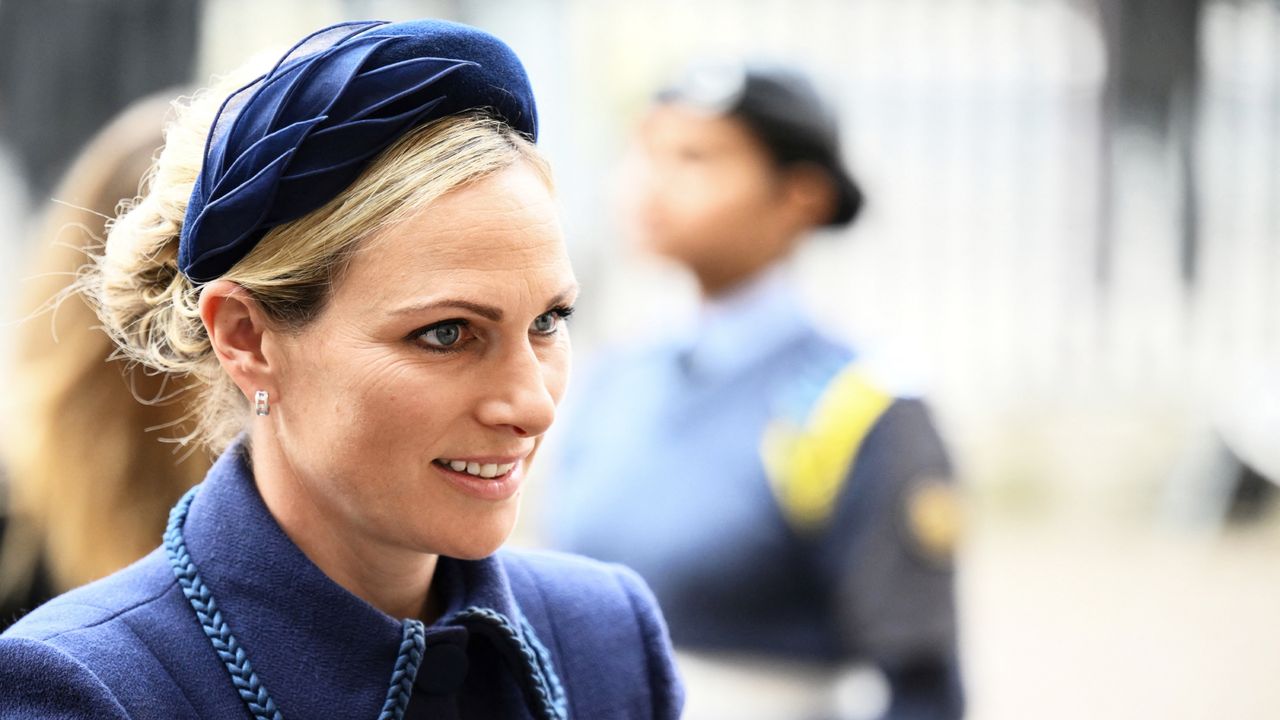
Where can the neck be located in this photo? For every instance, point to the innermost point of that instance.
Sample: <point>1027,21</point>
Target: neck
<point>392,579</point>
<point>725,288</point>
<point>720,278</point>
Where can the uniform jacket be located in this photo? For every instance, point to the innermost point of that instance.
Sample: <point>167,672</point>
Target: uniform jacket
<point>778,498</point>
<point>526,634</point>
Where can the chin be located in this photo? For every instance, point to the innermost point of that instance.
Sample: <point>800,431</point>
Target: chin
<point>476,549</point>
<point>476,539</point>
<point>477,554</point>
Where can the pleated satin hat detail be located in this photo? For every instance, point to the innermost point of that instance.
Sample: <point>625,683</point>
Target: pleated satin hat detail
<point>292,140</point>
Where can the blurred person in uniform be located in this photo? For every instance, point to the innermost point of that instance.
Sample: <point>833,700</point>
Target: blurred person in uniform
<point>793,513</point>
<point>91,482</point>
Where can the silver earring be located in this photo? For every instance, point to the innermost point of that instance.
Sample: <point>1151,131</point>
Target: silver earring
<point>260,404</point>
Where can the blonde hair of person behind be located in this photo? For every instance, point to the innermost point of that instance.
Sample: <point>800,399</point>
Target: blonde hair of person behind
<point>91,485</point>
<point>151,309</point>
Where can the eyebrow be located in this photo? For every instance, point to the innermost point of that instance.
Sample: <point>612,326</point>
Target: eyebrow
<point>488,312</point>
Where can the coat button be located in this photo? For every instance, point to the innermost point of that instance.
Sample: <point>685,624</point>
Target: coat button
<point>443,668</point>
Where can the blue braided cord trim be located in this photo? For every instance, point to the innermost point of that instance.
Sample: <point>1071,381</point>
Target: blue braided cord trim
<point>407,663</point>
<point>541,676</point>
<point>252,691</point>
<point>246,681</point>
<point>548,670</point>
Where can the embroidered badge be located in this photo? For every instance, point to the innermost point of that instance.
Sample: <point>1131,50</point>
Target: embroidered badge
<point>932,519</point>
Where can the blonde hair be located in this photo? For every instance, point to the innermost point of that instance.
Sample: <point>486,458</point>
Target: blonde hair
<point>151,309</point>
<point>91,483</point>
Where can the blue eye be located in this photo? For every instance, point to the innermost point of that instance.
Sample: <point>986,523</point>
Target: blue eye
<point>548,323</point>
<point>545,324</point>
<point>442,336</point>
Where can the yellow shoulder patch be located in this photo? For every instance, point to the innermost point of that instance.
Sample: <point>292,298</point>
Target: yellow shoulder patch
<point>807,465</point>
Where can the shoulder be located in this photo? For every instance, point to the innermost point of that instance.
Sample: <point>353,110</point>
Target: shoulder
<point>61,660</point>
<point>92,607</point>
<point>859,406</point>
<point>603,626</point>
<point>577,588</point>
<point>849,423</point>
<point>38,679</point>
<point>563,573</point>
<point>906,434</point>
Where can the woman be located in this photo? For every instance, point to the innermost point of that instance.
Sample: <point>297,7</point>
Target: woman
<point>791,507</point>
<point>359,257</point>
<point>92,482</point>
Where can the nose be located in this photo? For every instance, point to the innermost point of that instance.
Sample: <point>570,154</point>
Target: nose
<point>519,395</point>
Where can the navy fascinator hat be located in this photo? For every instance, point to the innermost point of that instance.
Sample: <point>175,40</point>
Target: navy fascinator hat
<point>295,138</point>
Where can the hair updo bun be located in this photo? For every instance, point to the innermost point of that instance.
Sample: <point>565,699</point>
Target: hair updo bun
<point>151,309</point>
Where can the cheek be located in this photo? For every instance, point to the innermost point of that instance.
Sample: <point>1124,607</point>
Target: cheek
<point>331,389</point>
<point>725,200</point>
<point>355,409</point>
<point>400,408</point>
<point>556,370</point>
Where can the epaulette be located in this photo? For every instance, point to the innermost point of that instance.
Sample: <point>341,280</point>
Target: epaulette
<point>808,462</point>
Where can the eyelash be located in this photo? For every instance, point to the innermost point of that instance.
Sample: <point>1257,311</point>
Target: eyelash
<point>562,313</point>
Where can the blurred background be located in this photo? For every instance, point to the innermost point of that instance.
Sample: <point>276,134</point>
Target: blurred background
<point>1072,244</point>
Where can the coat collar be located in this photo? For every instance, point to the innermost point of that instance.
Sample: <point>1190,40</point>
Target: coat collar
<point>746,325</point>
<point>316,646</point>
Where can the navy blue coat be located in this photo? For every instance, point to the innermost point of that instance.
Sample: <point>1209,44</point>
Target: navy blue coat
<point>588,635</point>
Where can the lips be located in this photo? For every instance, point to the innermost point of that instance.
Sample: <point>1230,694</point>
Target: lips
<point>471,467</point>
<point>495,478</point>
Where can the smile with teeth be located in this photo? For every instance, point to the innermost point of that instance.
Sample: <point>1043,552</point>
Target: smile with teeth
<point>481,470</point>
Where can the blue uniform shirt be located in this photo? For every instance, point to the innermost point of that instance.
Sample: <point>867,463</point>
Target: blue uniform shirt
<point>526,635</point>
<point>777,499</point>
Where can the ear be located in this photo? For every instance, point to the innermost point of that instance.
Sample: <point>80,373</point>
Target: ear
<point>810,194</point>
<point>236,325</point>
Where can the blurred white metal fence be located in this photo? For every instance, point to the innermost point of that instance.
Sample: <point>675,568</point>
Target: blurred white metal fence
<point>977,128</point>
